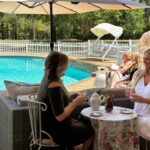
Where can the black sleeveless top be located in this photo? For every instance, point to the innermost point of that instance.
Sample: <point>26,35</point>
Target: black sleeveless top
<point>133,70</point>
<point>127,72</point>
<point>56,101</point>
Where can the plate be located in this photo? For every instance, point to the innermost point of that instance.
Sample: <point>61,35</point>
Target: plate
<point>96,114</point>
<point>126,111</point>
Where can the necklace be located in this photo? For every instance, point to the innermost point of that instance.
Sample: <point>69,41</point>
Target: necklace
<point>146,80</point>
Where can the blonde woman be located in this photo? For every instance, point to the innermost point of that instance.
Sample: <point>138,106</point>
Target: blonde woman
<point>140,95</point>
<point>136,59</point>
<point>123,70</point>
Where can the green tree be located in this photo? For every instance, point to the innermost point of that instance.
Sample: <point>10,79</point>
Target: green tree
<point>75,26</point>
<point>133,22</point>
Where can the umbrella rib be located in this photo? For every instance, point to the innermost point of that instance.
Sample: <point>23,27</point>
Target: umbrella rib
<point>33,6</point>
<point>44,9</point>
<point>26,5</point>
<point>126,6</point>
<point>66,8</point>
<point>16,9</point>
<point>39,4</point>
<point>102,8</point>
<point>95,5</point>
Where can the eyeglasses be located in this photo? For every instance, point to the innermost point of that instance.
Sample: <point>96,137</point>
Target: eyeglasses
<point>146,58</point>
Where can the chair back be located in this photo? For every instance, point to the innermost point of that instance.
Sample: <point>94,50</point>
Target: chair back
<point>35,108</point>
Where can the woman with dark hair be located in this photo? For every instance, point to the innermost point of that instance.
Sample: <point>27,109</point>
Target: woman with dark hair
<point>57,119</point>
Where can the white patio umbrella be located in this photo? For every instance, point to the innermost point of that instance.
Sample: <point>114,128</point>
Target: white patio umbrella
<point>64,7</point>
<point>106,28</point>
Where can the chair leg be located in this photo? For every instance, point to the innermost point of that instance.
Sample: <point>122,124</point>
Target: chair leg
<point>30,138</point>
<point>142,144</point>
<point>148,145</point>
<point>30,146</point>
<point>39,147</point>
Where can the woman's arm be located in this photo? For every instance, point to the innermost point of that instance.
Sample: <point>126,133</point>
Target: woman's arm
<point>68,109</point>
<point>146,100</point>
<point>136,98</point>
<point>122,81</point>
<point>125,67</point>
<point>56,100</point>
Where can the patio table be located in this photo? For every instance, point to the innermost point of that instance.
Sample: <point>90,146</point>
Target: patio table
<point>116,130</point>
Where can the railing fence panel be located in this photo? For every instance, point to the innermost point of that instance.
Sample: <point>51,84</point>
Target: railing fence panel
<point>80,49</point>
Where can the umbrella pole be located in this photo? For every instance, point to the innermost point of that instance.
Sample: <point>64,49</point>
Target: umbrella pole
<point>51,26</point>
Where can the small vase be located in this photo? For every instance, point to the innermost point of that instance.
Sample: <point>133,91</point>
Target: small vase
<point>109,106</point>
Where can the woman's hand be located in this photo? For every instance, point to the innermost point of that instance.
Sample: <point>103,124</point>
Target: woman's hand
<point>135,98</point>
<point>129,91</point>
<point>73,96</point>
<point>109,68</point>
<point>119,82</point>
<point>80,98</point>
<point>68,109</point>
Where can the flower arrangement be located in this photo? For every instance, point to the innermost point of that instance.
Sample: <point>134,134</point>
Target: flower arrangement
<point>109,103</point>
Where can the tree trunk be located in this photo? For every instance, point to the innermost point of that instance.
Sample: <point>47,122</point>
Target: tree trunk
<point>7,31</point>
<point>2,30</point>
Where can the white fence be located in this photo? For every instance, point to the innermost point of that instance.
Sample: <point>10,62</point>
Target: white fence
<point>81,49</point>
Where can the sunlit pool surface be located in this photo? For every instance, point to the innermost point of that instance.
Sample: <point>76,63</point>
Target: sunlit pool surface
<point>31,69</point>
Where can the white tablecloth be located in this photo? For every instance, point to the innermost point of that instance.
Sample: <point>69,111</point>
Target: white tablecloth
<point>114,131</point>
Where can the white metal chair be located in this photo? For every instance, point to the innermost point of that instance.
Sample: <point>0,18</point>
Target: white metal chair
<point>35,108</point>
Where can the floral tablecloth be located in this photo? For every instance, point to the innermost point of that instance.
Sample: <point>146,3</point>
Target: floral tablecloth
<point>114,131</point>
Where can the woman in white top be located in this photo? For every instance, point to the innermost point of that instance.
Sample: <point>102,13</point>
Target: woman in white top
<point>141,97</point>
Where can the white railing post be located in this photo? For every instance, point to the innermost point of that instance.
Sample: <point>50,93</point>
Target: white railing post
<point>130,45</point>
<point>102,44</point>
<point>59,46</point>
<point>27,51</point>
<point>89,47</point>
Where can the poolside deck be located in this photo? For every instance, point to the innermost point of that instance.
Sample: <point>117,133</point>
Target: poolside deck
<point>81,85</point>
<point>93,61</point>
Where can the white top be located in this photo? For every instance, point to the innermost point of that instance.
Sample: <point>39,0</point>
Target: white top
<point>142,90</point>
<point>143,109</point>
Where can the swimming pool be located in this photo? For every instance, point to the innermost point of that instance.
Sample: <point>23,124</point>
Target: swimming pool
<point>31,69</point>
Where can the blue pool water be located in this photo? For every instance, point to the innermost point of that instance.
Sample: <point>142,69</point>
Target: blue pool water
<point>31,69</point>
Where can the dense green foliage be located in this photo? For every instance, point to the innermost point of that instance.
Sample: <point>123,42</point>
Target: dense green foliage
<point>76,26</point>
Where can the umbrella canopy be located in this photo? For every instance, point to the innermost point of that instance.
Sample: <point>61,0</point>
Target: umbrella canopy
<point>144,43</point>
<point>64,7</point>
<point>107,28</point>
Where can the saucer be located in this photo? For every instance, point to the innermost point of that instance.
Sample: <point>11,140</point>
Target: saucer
<point>126,111</point>
<point>96,114</point>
